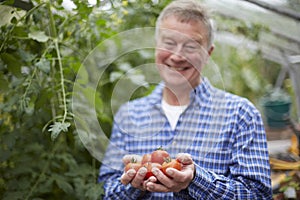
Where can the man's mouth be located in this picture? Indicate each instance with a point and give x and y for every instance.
(178, 68)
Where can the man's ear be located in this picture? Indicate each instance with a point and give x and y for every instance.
(211, 49)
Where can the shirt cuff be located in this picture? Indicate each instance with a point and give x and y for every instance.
(134, 192)
(200, 183)
(137, 193)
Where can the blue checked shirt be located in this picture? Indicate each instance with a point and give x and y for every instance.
(224, 134)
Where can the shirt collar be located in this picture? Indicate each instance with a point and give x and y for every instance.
(204, 90)
(200, 93)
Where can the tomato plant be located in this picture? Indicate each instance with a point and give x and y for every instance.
(159, 156)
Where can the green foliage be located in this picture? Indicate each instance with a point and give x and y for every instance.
(238, 27)
(294, 4)
(40, 53)
(241, 70)
(142, 14)
(289, 182)
(42, 48)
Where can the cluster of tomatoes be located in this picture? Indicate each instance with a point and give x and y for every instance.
(158, 158)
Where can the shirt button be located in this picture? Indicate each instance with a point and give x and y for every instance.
(174, 143)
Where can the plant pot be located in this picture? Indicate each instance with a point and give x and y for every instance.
(277, 113)
(279, 196)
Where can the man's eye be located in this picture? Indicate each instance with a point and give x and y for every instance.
(169, 43)
(191, 47)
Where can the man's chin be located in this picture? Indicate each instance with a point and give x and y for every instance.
(176, 85)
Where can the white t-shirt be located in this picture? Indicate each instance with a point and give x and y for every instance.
(173, 112)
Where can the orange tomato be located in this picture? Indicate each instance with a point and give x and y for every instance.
(171, 163)
(135, 166)
(146, 158)
(159, 156)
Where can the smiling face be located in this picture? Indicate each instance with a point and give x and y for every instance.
(181, 53)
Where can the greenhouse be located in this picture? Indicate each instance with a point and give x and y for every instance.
(68, 66)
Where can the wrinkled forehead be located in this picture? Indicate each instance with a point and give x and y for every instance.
(191, 30)
(180, 36)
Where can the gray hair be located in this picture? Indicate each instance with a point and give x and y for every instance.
(185, 11)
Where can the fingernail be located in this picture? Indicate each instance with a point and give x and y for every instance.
(170, 172)
(142, 171)
(150, 186)
(155, 171)
(183, 160)
(131, 173)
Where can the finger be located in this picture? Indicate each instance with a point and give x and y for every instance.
(150, 179)
(160, 176)
(154, 187)
(174, 173)
(128, 176)
(138, 180)
(181, 176)
(184, 158)
(130, 157)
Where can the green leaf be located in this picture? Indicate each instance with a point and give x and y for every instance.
(8, 2)
(43, 98)
(14, 195)
(5, 155)
(39, 36)
(7, 13)
(20, 31)
(46, 185)
(43, 65)
(14, 20)
(57, 128)
(115, 76)
(9, 140)
(94, 192)
(12, 62)
(3, 83)
(64, 185)
(26, 55)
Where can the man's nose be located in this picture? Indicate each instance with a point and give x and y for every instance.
(178, 54)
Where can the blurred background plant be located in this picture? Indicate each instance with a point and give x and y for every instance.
(43, 44)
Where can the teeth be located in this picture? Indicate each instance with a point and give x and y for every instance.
(178, 68)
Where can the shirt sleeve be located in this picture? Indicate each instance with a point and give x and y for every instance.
(249, 176)
(112, 167)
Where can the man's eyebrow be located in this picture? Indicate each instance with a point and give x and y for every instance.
(164, 36)
(198, 40)
(168, 35)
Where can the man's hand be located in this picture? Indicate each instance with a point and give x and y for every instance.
(128, 158)
(178, 180)
(135, 178)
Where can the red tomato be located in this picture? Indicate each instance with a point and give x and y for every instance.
(146, 158)
(159, 156)
(149, 166)
(171, 163)
(135, 166)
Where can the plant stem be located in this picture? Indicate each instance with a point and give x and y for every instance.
(29, 84)
(61, 72)
(62, 83)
